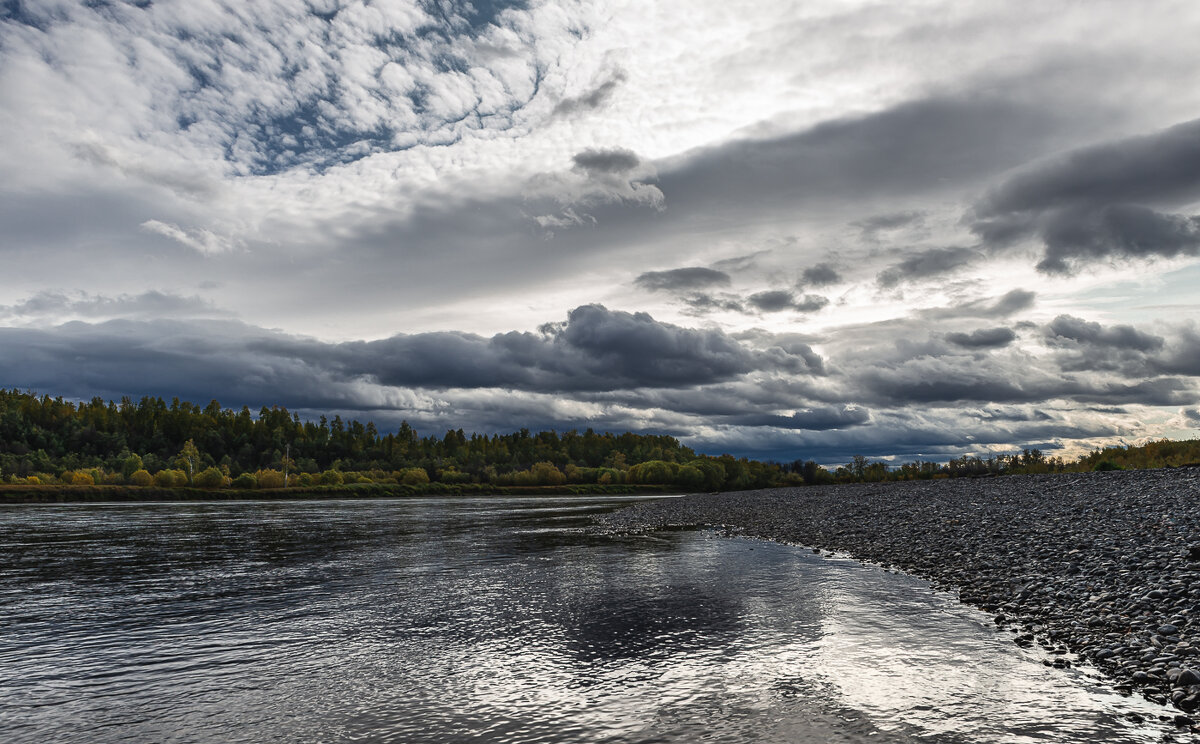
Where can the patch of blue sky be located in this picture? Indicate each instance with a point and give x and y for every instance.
(477, 14)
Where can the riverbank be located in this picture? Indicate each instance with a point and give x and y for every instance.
(1102, 565)
(135, 494)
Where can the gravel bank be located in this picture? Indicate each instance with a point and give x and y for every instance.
(1102, 565)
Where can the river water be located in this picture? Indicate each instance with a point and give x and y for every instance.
(492, 620)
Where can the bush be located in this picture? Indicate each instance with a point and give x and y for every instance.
(141, 478)
(170, 478)
(414, 476)
(245, 480)
(1105, 465)
(453, 475)
(82, 479)
(269, 479)
(210, 478)
(546, 474)
(331, 478)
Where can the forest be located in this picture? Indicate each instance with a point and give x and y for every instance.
(150, 443)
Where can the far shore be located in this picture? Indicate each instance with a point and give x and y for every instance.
(56, 494)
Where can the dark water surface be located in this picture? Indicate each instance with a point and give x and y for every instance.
(497, 620)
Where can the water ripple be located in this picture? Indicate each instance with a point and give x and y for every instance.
(491, 620)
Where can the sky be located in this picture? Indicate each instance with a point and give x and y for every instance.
(781, 230)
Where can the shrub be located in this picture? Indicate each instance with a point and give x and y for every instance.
(82, 479)
(546, 474)
(269, 479)
(170, 478)
(414, 476)
(453, 475)
(245, 480)
(141, 478)
(210, 478)
(331, 478)
(1105, 465)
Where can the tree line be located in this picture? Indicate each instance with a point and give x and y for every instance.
(53, 441)
(46, 440)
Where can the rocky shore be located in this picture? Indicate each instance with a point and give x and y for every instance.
(1101, 566)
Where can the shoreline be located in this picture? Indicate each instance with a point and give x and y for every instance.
(50, 495)
(1105, 566)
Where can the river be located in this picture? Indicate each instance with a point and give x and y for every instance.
(493, 620)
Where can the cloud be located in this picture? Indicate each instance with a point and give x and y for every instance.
(56, 306)
(870, 227)
(593, 99)
(1010, 303)
(615, 160)
(927, 263)
(677, 280)
(822, 418)
(821, 275)
(1066, 327)
(773, 301)
(598, 177)
(984, 338)
(202, 241)
(1182, 356)
(595, 349)
(701, 303)
(916, 146)
(1103, 201)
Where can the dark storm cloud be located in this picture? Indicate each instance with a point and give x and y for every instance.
(616, 160)
(595, 349)
(1104, 201)
(773, 301)
(1087, 332)
(1182, 357)
(593, 99)
(1191, 416)
(687, 278)
(984, 338)
(821, 275)
(921, 145)
(194, 360)
(926, 263)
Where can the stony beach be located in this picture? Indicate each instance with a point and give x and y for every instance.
(1097, 566)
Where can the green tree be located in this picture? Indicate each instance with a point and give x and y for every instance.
(187, 460)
